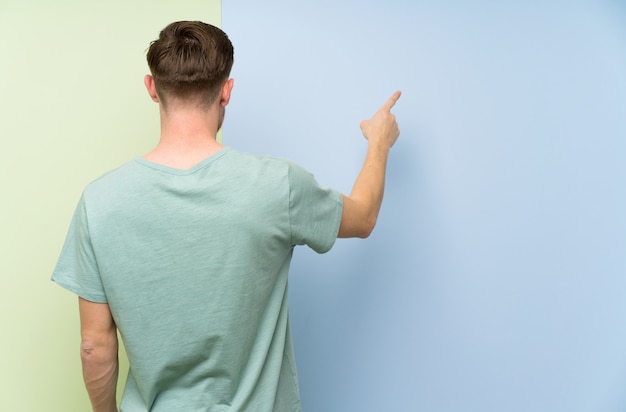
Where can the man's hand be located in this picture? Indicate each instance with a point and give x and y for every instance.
(382, 128)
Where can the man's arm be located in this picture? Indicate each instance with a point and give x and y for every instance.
(360, 209)
(98, 352)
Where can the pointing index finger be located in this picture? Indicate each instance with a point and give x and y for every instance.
(392, 101)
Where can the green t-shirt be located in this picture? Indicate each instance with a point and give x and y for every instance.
(193, 264)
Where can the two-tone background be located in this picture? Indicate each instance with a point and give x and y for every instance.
(495, 279)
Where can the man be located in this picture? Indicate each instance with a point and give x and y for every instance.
(186, 250)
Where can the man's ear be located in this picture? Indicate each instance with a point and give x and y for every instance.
(148, 80)
(227, 88)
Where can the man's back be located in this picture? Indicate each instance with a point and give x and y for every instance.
(193, 264)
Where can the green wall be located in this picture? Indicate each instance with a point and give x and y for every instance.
(72, 106)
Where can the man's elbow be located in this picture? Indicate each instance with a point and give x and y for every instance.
(97, 351)
(358, 219)
(367, 228)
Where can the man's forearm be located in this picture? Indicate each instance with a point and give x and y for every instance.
(360, 209)
(369, 186)
(100, 372)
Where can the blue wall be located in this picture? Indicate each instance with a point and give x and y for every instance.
(496, 277)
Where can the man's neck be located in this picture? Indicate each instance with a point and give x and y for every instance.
(187, 138)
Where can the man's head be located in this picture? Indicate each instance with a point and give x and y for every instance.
(190, 61)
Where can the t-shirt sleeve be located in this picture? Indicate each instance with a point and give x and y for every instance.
(77, 269)
(314, 211)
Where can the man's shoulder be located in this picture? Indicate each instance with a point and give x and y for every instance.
(293, 171)
(108, 181)
(253, 162)
(252, 157)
